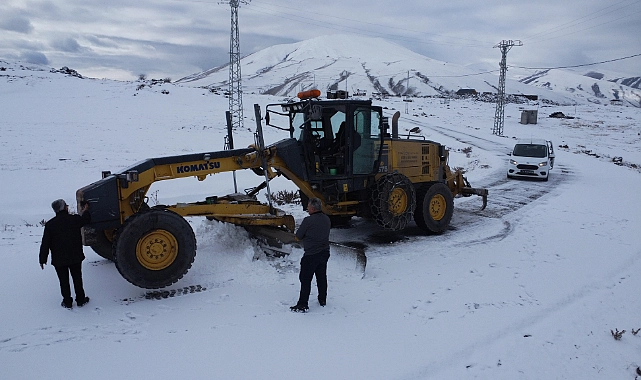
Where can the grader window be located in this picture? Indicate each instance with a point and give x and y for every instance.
(366, 122)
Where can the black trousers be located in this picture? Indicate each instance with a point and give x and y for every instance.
(65, 288)
(309, 266)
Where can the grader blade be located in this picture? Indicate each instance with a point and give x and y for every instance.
(276, 242)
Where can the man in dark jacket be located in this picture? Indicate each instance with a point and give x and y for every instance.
(314, 232)
(62, 236)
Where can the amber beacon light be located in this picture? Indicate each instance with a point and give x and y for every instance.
(309, 94)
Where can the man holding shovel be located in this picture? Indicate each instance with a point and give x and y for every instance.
(314, 232)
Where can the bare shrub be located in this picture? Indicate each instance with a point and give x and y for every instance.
(617, 334)
(153, 198)
(285, 197)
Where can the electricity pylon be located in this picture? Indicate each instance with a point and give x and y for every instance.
(235, 78)
(499, 115)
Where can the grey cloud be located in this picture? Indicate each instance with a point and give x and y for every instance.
(18, 24)
(181, 37)
(252, 43)
(167, 60)
(101, 41)
(68, 45)
(34, 57)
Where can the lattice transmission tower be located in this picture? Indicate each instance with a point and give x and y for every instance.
(499, 115)
(235, 78)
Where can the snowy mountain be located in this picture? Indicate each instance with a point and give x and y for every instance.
(375, 66)
(593, 87)
(634, 82)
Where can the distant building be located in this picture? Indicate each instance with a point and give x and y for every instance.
(530, 97)
(338, 94)
(466, 92)
(529, 116)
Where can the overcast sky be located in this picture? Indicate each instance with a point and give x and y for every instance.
(121, 39)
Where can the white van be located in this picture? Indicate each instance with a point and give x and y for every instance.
(531, 158)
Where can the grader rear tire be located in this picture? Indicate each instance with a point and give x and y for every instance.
(435, 208)
(154, 249)
(393, 201)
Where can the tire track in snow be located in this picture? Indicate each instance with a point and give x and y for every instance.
(508, 196)
(128, 328)
(611, 279)
(466, 138)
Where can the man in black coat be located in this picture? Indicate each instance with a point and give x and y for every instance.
(63, 237)
(314, 232)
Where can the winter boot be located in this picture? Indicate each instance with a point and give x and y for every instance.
(299, 308)
(82, 303)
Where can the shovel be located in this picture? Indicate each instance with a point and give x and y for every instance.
(277, 242)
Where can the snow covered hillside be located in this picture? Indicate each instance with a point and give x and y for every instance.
(375, 66)
(533, 287)
(592, 87)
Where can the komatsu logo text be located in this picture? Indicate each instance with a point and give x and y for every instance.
(209, 165)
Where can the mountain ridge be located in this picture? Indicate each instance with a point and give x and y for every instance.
(375, 66)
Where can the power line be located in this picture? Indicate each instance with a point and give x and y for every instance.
(582, 65)
(341, 26)
(591, 27)
(465, 75)
(377, 25)
(574, 22)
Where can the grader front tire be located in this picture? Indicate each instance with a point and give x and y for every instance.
(435, 208)
(154, 249)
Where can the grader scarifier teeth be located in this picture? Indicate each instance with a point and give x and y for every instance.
(462, 186)
(467, 191)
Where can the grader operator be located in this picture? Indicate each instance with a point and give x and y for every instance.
(341, 151)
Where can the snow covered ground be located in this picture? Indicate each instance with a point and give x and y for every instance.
(529, 288)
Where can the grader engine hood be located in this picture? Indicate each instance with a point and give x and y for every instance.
(103, 202)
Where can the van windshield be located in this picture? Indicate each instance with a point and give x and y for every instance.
(530, 150)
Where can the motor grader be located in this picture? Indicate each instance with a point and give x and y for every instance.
(341, 151)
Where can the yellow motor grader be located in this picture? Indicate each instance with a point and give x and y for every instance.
(342, 151)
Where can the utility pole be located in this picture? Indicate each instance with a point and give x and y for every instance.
(499, 116)
(235, 78)
(407, 91)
